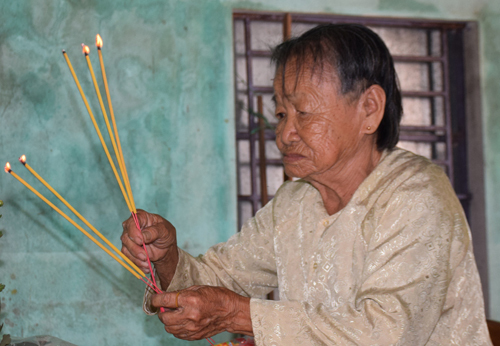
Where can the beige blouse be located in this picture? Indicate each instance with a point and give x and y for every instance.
(394, 267)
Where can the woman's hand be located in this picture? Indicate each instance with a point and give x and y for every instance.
(202, 311)
(161, 243)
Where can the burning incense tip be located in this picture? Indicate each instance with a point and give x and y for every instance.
(22, 159)
(85, 49)
(7, 168)
(64, 51)
(98, 41)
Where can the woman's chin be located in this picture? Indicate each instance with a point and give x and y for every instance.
(293, 171)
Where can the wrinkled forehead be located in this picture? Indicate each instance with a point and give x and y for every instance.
(294, 73)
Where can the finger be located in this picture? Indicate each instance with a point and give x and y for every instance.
(190, 336)
(135, 249)
(173, 320)
(184, 336)
(154, 252)
(180, 334)
(182, 326)
(143, 265)
(186, 331)
(173, 328)
(166, 300)
(131, 231)
(136, 259)
(145, 219)
(154, 233)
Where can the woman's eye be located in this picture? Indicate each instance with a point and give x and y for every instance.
(280, 115)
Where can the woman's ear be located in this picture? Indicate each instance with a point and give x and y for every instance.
(373, 106)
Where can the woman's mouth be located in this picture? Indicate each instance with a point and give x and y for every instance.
(292, 157)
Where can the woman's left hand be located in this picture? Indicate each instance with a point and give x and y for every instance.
(202, 311)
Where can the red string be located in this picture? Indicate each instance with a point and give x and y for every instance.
(149, 281)
(155, 288)
(134, 215)
(150, 286)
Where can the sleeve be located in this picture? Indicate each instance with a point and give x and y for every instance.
(244, 264)
(413, 243)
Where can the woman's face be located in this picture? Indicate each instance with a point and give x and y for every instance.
(319, 129)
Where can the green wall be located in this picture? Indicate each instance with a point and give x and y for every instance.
(169, 65)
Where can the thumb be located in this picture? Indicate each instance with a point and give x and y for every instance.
(171, 300)
(151, 234)
(146, 236)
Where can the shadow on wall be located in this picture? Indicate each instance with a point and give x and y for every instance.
(98, 266)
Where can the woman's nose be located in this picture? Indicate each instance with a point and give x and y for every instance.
(288, 134)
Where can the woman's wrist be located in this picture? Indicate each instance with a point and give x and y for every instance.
(241, 321)
(166, 267)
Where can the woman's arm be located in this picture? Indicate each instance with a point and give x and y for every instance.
(244, 264)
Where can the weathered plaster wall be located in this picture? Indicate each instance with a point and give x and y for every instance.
(490, 39)
(172, 96)
(170, 69)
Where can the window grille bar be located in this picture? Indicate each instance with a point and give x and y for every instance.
(396, 58)
(251, 118)
(368, 21)
(447, 109)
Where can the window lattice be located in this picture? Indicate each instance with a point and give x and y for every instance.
(428, 57)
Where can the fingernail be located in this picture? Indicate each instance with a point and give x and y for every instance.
(142, 257)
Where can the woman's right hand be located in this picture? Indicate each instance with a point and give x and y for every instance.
(161, 243)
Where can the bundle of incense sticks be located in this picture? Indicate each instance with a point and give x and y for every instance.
(123, 180)
(127, 192)
(129, 265)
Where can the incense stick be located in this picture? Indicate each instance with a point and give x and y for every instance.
(125, 195)
(97, 130)
(119, 153)
(9, 170)
(108, 126)
(22, 159)
(115, 128)
(126, 179)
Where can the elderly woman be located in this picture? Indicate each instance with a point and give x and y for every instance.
(369, 247)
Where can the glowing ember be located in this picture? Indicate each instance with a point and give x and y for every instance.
(85, 49)
(98, 41)
(22, 159)
(7, 168)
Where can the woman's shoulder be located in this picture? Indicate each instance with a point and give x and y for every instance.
(414, 199)
(400, 175)
(401, 159)
(402, 167)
